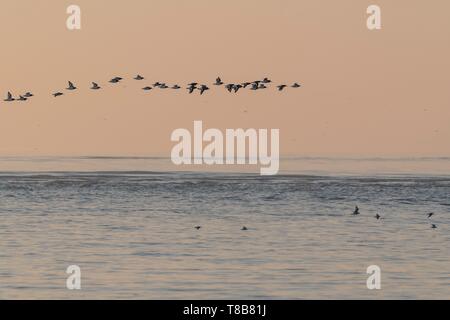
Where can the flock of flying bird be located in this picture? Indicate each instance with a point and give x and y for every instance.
(378, 217)
(201, 88)
(356, 212)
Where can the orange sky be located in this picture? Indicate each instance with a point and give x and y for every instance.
(365, 92)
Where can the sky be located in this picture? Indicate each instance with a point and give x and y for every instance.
(369, 93)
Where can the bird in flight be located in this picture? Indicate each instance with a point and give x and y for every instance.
(57, 94)
(115, 80)
(71, 86)
(430, 215)
(255, 86)
(230, 87)
(139, 77)
(9, 97)
(191, 87)
(95, 86)
(203, 88)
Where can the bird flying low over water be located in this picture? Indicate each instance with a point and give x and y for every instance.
(203, 88)
(71, 86)
(139, 77)
(95, 86)
(57, 94)
(281, 87)
(218, 82)
(9, 97)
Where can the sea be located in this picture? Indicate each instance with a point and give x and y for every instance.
(129, 225)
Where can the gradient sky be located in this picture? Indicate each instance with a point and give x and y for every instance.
(381, 93)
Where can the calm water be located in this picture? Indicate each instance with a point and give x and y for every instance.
(132, 233)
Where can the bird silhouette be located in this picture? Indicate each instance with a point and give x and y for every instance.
(157, 84)
(266, 80)
(191, 87)
(236, 87)
(198, 227)
(356, 212)
(28, 95)
(203, 88)
(244, 228)
(163, 86)
(9, 97)
(281, 87)
(115, 80)
(57, 94)
(139, 77)
(433, 226)
(377, 216)
(296, 85)
(22, 98)
(95, 86)
(230, 87)
(71, 86)
(430, 215)
(147, 88)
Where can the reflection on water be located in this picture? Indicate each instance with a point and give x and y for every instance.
(133, 234)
